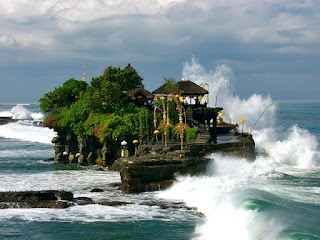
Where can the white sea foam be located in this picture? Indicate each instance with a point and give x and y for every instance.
(221, 88)
(80, 182)
(5, 114)
(94, 213)
(69, 180)
(217, 193)
(37, 116)
(27, 132)
(298, 149)
(220, 81)
(216, 196)
(25, 129)
(250, 110)
(22, 113)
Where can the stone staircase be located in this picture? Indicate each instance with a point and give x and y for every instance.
(203, 138)
(204, 135)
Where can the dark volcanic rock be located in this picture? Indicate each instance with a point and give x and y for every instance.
(152, 174)
(49, 160)
(84, 201)
(36, 204)
(96, 190)
(6, 120)
(63, 195)
(156, 167)
(27, 196)
(113, 203)
(34, 199)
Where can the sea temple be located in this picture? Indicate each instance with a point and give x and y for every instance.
(147, 137)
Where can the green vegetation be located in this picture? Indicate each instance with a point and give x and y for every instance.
(102, 108)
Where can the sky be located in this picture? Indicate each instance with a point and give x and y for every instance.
(271, 47)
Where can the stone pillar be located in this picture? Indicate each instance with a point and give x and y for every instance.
(59, 149)
(213, 128)
(82, 150)
(104, 153)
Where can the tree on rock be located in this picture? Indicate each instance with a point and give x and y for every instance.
(62, 96)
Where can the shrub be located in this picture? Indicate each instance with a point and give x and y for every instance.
(191, 133)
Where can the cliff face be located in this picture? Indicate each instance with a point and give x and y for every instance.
(155, 167)
(68, 146)
(155, 173)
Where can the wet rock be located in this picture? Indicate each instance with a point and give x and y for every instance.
(6, 120)
(97, 190)
(84, 201)
(36, 199)
(113, 203)
(152, 174)
(63, 195)
(49, 160)
(27, 196)
(37, 204)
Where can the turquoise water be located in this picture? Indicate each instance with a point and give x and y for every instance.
(17, 229)
(305, 115)
(275, 197)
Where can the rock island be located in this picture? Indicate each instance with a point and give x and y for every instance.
(148, 137)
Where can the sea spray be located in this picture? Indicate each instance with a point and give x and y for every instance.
(221, 88)
(250, 109)
(219, 196)
(20, 112)
(28, 128)
(221, 79)
(28, 133)
(222, 194)
(298, 149)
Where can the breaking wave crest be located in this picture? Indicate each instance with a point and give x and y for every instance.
(28, 133)
(222, 194)
(299, 148)
(27, 127)
(21, 113)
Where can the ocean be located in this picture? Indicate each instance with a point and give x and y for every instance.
(275, 197)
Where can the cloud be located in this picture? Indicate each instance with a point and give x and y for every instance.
(250, 35)
(81, 10)
(74, 25)
(7, 41)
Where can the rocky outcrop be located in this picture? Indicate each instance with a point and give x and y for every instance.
(6, 120)
(90, 150)
(154, 167)
(34, 199)
(140, 174)
(48, 199)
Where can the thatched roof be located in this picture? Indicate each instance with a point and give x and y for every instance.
(135, 92)
(184, 88)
